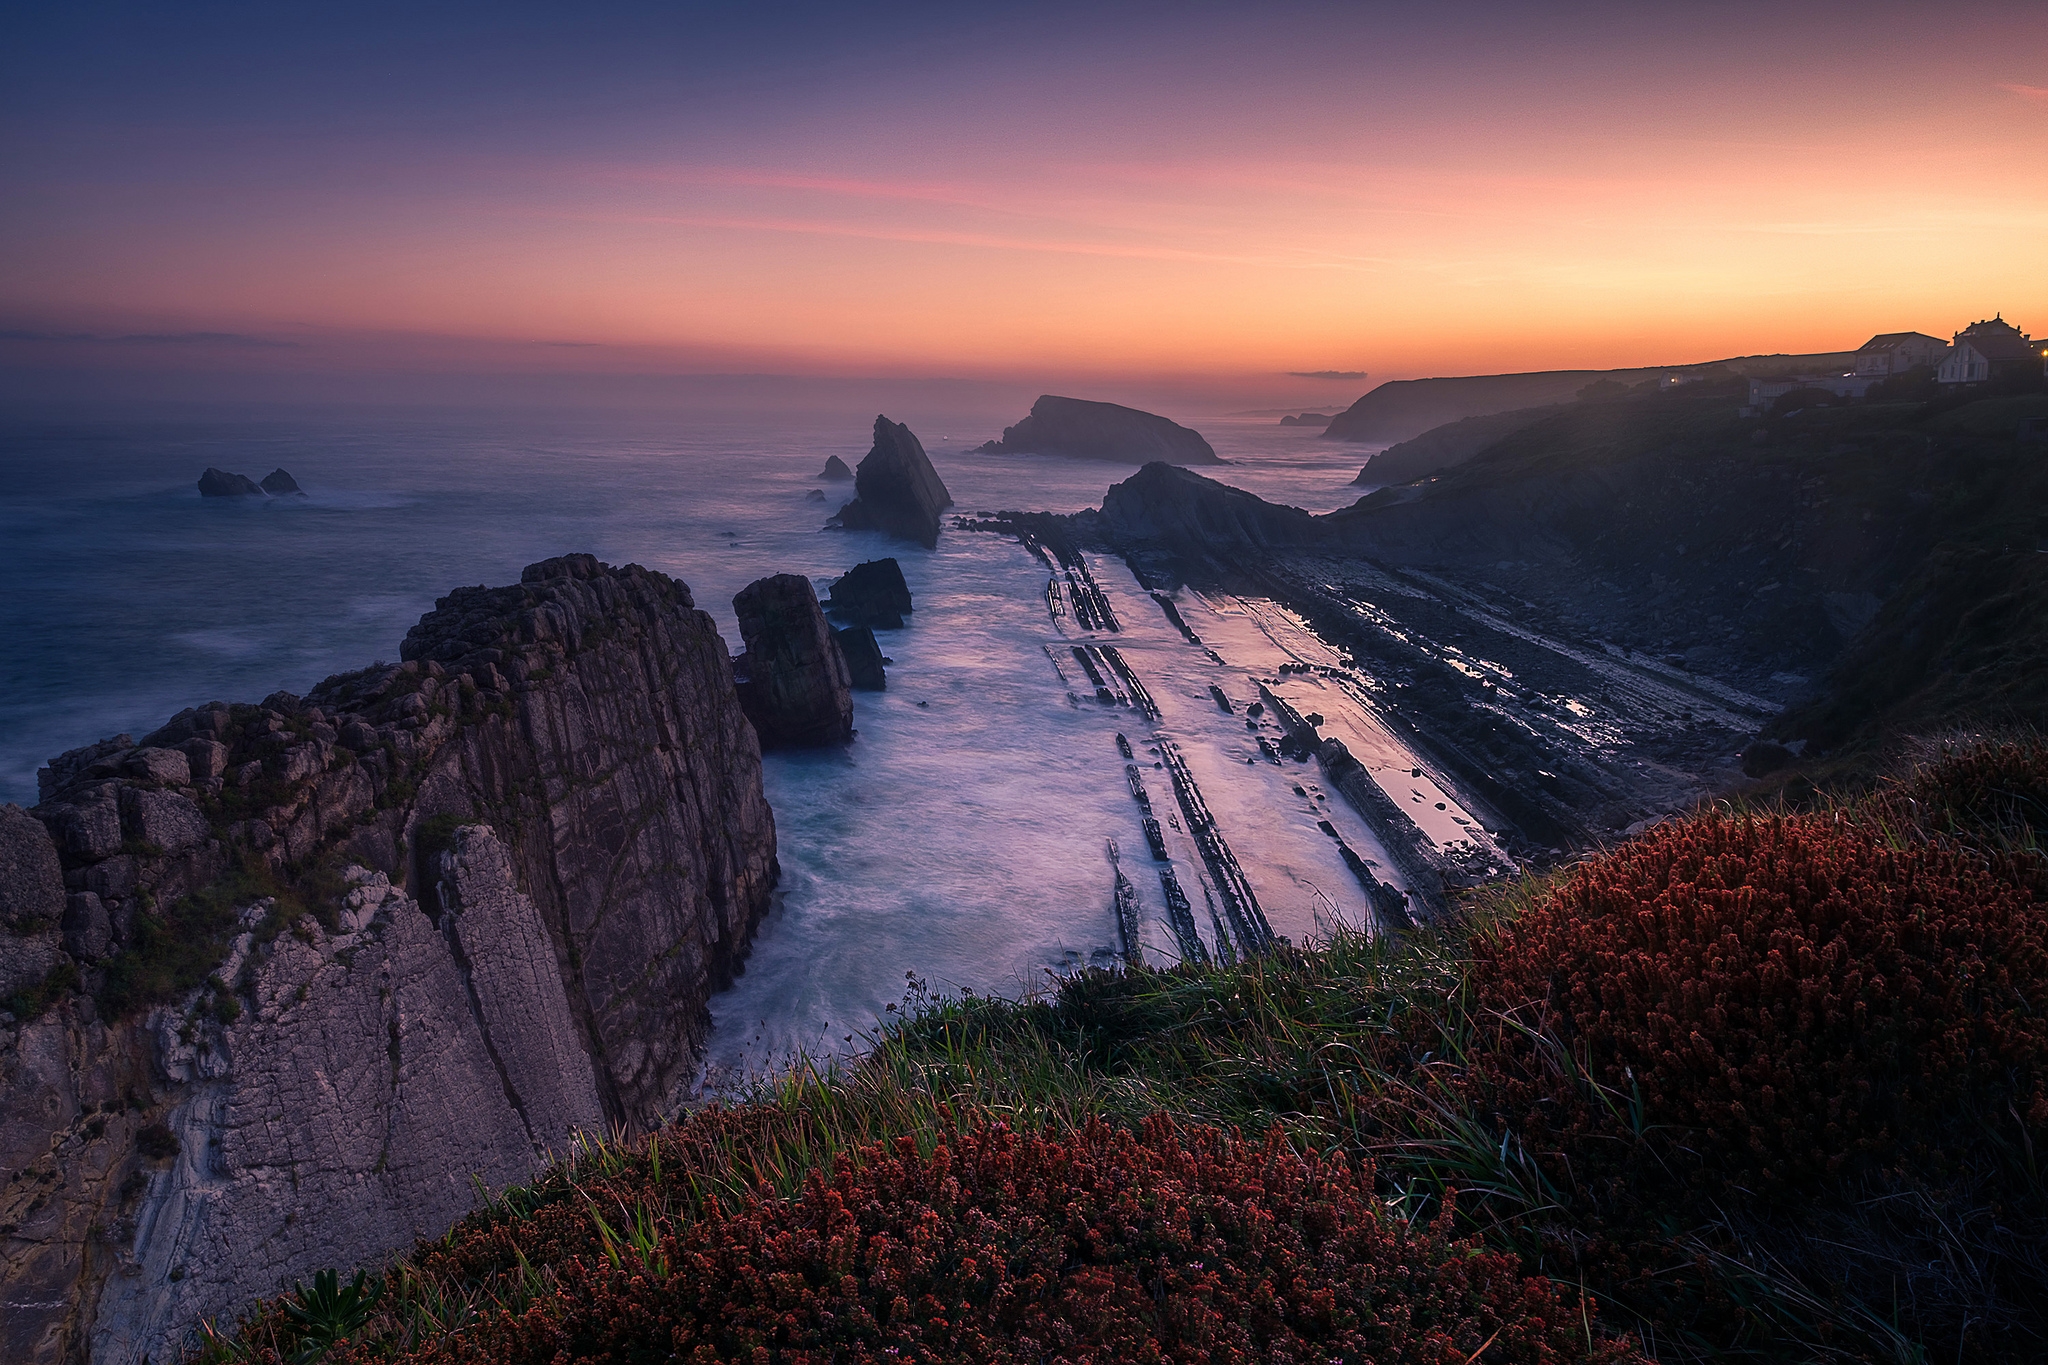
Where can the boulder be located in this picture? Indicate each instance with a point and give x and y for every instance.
(87, 827)
(1102, 431)
(279, 484)
(31, 879)
(871, 594)
(835, 469)
(896, 490)
(206, 758)
(863, 658)
(88, 928)
(164, 767)
(218, 483)
(793, 681)
(162, 819)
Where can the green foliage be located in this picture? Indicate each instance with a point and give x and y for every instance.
(172, 952)
(31, 1001)
(436, 835)
(329, 1314)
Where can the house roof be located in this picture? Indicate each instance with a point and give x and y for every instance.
(1996, 340)
(1891, 341)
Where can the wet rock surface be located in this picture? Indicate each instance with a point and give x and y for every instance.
(871, 594)
(793, 680)
(1087, 430)
(896, 490)
(421, 923)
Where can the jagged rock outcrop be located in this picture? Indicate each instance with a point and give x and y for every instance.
(793, 681)
(835, 470)
(1168, 506)
(864, 660)
(218, 483)
(333, 954)
(871, 594)
(896, 490)
(279, 484)
(1102, 431)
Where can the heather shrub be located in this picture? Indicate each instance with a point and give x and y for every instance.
(1102, 1244)
(1787, 995)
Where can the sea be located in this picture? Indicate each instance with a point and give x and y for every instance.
(960, 842)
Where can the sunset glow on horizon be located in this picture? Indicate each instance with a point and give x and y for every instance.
(1195, 192)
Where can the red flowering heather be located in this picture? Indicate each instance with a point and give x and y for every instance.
(1794, 992)
(1105, 1245)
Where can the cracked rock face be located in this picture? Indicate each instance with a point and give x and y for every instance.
(531, 850)
(795, 685)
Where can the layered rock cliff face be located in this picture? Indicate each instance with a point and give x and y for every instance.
(1102, 431)
(896, 490)
(316, 966)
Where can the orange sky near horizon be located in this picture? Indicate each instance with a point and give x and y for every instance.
(1653, 196)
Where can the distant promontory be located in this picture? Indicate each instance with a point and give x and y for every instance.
(1085, 430)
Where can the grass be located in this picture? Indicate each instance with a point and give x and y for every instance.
(1508, 1129)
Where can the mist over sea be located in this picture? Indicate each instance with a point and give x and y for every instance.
(959, 837)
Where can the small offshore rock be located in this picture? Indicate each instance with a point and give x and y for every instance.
(863, 658)
(218, 483)
(835, 469)
(871, 594)
(279, 484)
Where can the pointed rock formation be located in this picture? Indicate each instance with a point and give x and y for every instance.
(1102, 431)
(835, 469)
(279, 484)
(871, 594)
(793, 681)
(896, 490)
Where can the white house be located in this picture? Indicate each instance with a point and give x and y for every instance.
(1890, 353)
(1985, 350)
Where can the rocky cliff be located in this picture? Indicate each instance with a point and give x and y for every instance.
(311, 968)
(1441, 447)
(895, 489)
(1102, 431)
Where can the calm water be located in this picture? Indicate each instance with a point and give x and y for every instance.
(960, 837)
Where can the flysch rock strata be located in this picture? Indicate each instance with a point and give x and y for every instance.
(457, 909)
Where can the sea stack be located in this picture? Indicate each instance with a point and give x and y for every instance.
(218, 483)
(279, 484)
(871, 594)
(863, 655)
(1086, 430)
(896, 490)
(835, 470)
(793, 682)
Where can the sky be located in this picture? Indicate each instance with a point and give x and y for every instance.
(1230, 196)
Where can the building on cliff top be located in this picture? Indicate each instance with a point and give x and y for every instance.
(1989, 350)
(1890, 353)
